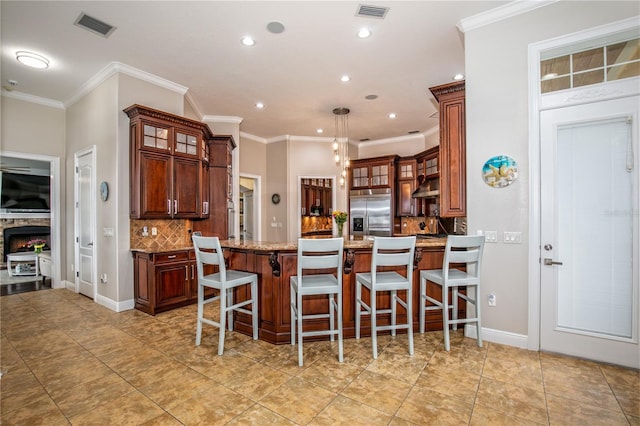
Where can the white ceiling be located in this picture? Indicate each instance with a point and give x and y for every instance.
(295, 73)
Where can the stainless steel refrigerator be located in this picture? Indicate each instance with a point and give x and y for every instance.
(370, 212)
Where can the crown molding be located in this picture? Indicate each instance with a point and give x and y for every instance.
(500, 13)
(117, 67)
(222, 119)
(392, 140)
(33, 99)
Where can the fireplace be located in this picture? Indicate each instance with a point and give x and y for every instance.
(15, 239)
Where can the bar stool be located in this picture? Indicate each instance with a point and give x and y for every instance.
(317, 254)
(209, 252)
(460, 249)
(387, 251)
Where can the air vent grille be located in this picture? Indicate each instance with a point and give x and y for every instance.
(94, 25)
(367, 11)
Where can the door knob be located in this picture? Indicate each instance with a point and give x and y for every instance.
(548, 261)
(548, 247)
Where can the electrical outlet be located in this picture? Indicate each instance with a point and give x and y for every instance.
(491, 299)
(154, 231)
(490, 236)
(103, 278)
(513, 237)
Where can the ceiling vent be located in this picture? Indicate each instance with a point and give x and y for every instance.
(94, 25)
(366, 11)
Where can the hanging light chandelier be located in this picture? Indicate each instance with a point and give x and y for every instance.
(341, 141)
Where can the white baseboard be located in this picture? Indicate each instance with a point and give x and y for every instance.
(102, 300)
(113, 305)
(498, 336)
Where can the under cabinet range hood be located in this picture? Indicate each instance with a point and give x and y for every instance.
(424, 191)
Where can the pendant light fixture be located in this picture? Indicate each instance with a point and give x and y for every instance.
(341, 141)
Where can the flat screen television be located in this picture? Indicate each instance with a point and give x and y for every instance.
(24, 193)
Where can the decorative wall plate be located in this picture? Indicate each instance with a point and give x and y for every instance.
(500, 171)
(104, 191)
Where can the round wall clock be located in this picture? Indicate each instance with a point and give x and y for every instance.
(104, 191)
(275, 198)
(500, 171)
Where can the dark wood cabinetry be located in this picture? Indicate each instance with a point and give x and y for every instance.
(453, 195)
(220, 189)
(164, 281)
(378, 172)
(406, 205)
(169, 157)
(316, 197)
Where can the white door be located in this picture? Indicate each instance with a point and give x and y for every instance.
(248, 215)
(85, 224)
(589, 231)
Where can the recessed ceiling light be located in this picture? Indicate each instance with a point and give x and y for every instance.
(319, 131)
(364, 33)
(248, 41)
(371, 97)
(392, 115)
(32, 59)
(259, 105)
(345, 78)
(458, 77)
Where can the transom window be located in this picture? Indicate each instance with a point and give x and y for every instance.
(591, 66)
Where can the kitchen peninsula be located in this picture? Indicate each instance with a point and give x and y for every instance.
(276, 262)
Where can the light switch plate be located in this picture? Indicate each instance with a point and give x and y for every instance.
(490, 236)
(513, 237)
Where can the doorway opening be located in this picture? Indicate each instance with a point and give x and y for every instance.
(250, 207)
(17, 162)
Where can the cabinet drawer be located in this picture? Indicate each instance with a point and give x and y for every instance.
(175, 256)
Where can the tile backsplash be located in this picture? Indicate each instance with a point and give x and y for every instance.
(171, 234)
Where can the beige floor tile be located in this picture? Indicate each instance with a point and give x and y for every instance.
(256, 381)
(512, 400)
(89, 395)
(378, 391)
(456, 383)
(298, 400)
(564, 411)
(424, 406)
(486, 416)
(330, 374)
(345, 411)
(104, 367)
(129, 409)
(259, 415)
(215, 406)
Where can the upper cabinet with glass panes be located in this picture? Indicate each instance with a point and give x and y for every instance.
(170, 134)
(595, 65)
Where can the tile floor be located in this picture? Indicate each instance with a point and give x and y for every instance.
(67, 360)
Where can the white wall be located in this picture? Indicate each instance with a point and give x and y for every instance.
(497, 123)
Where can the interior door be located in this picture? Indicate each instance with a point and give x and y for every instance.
(589, 231)
(85, 224)
(248, 215)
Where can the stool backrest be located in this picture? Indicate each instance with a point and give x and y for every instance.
(209, 252)
(393, 251)
(322, 253)
(464, 249)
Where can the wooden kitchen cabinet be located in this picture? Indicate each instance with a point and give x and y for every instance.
(168, 163)
(406, 205)
(164, 280)
(378, 172)
(220, 191)
(452, 154)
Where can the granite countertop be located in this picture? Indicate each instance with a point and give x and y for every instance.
(293, 245)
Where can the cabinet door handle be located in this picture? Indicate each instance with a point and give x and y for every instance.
(205, 207)
(186, 273)
(168, 206)
(173, 256)
(175, 206)
(193, 275)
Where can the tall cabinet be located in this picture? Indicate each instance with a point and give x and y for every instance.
(452, 155)
(169, 158)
